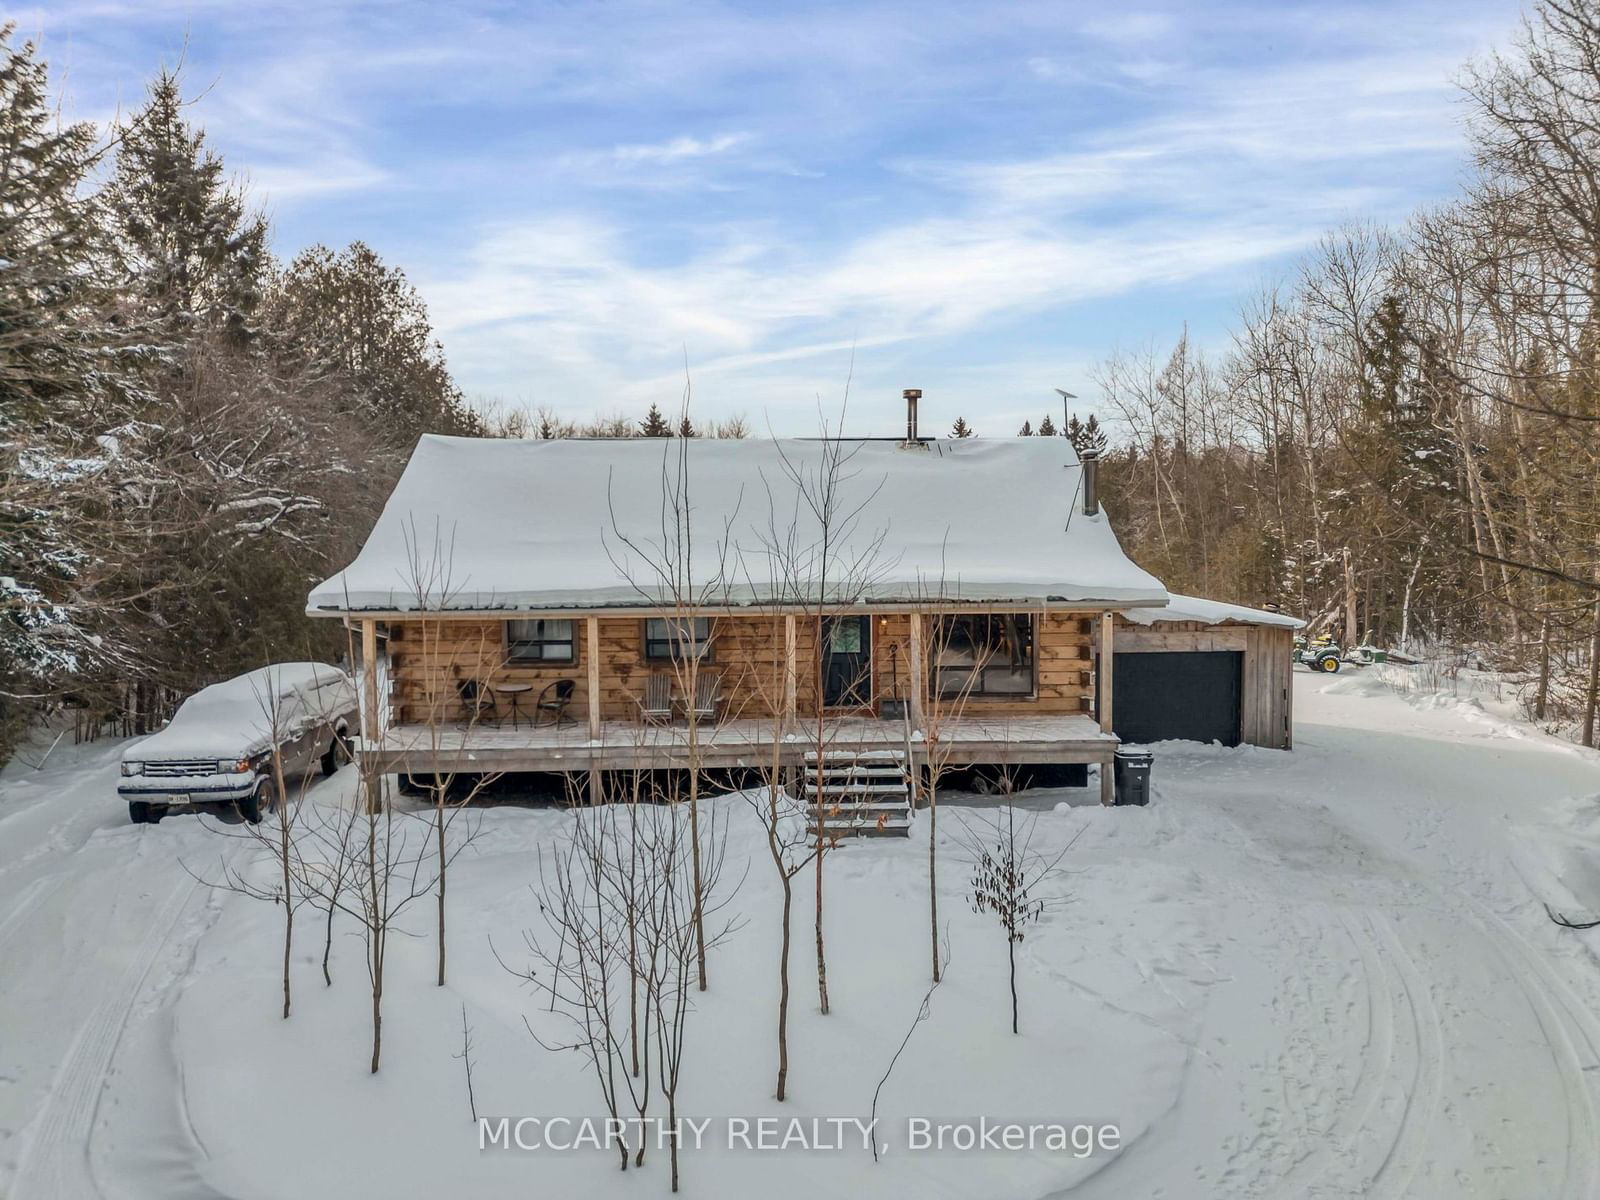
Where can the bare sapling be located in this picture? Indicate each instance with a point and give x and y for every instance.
(466, 1064)
(1008, 875)
(450, 711)
(924, 1011)
(783, 820)
(824, 564)
(286, 718)
(685, 581)
(618, 902)
(953, 654)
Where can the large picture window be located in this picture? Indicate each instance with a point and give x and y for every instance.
(667, 638)
(988, 655)
(539, 642)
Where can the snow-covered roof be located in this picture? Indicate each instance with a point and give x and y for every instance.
(1209, 612)
(501, 524)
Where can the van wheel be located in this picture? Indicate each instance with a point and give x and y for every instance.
(138, 811)
(252, 806)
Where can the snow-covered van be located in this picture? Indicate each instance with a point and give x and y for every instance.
(217, 749)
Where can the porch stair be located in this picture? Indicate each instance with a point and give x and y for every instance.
(862, 793)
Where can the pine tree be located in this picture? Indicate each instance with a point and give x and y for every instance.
(1047, 427)
(189, 249)
(961, 429)
(353, 318)
(60, 368)
(654, 424)
(686, 427)
(1026, 430)
(1086, 435)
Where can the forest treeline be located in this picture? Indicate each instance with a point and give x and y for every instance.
(191, 432)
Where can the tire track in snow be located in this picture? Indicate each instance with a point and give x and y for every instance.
(1332, 1167)
(31, 898)
(55, 1162)
(1568, 1028)
(1394, 1174)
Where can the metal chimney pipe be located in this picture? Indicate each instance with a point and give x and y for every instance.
(1091, 482)
(912, 395)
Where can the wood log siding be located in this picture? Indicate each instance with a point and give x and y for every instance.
(428, 656)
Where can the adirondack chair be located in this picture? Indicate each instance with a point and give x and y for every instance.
(707, 695)
(657, 702)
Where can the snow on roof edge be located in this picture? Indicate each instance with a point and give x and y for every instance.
(1209, 612)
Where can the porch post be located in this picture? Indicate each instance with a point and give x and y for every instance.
(789, 679)
(591, 647)
(914, 654)
(1103, 675)
(371, 726)
(1105, 672)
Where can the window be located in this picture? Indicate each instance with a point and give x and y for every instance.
(985, 656)
(539, 641)
(677, 637)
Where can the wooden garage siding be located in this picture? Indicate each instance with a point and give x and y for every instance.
(1266, 684)
(428, 656)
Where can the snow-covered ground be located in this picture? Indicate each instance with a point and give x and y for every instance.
(1325, 973)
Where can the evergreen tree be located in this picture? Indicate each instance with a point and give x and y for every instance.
(654, 424)
(351, 317)
(961, 429)
(1086, 435)
(60, 364)
(686, 427)
(1026, 430)
(1047, 427)
(190, 251)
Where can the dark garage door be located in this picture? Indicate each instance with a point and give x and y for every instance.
(1188, 694)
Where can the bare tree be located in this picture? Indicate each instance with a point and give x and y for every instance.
(429, 576)
(1007, 872)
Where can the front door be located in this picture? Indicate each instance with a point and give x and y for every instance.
(847, 662)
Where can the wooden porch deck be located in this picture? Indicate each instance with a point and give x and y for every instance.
(740, 743)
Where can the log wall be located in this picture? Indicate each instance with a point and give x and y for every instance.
(428, 656)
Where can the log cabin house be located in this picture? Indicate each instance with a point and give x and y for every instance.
(914, 598)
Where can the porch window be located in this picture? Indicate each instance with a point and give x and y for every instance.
(987, 655)
(667, 638)
(539, 642)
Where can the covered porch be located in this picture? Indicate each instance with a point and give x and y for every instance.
(740, 743)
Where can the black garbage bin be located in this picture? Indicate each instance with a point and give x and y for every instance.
(1133, 776)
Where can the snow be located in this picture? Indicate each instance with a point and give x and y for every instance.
(1209, 612)
(1323, 973)
(235, 718)
(506, 524)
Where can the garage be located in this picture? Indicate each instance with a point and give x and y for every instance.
(1191, 694)
(1203, 671)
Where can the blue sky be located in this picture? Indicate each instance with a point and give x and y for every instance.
(981, 200)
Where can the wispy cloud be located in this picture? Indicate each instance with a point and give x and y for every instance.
(677, 149)
(945, 191)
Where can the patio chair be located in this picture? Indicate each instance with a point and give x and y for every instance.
(657, 702)
(554, 700)
(477, 701)
(707, 695)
